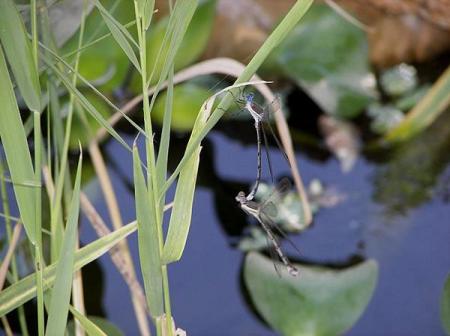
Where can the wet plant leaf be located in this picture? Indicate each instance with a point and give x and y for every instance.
(187, 100)
(15, 145)
(16, 45)
(327, 56)
(319, 301)
(445, 306)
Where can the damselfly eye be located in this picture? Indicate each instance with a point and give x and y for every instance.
(249, 97)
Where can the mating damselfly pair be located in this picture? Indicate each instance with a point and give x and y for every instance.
(265, 210)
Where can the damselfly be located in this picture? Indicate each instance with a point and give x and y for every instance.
(263, 212)
(261, 117)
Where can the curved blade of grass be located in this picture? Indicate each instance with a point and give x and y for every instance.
(90, 327)
(180, 219)
(19, 53)
(24, 290)
(149, 251)
(280, 32)
(14, 141)
(119, 33)
(60, 298)
(425, 112)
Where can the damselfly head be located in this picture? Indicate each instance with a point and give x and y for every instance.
(249, 97)
(240, 197)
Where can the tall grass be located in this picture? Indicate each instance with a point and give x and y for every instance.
(39, 72)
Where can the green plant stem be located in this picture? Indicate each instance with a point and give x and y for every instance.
(39, 261)
(151, 166)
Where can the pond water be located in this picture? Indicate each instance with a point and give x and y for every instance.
(396, 211)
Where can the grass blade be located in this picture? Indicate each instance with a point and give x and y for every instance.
(14, 141)
(145, 8)
(149, 250)
(425, 112)
(59, 304)
(119, 33)
(19, 53)
(90, 327)
(16, 295)
(180, 219)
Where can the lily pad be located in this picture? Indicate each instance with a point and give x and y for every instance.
(320, 301)
(445, 306)
(328, 57)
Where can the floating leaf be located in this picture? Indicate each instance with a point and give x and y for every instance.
(320, 301)
(327, 56)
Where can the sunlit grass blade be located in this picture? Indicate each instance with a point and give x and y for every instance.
(14, 40)
(425, 112)
(90, 327)
(149, 250)
(14, 142)
(24, 290)
(60, 298)
(119, 33)
(280, 32)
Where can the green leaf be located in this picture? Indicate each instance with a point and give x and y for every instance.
(425, 112)
(14, 142)
(149, 250)
(119, 33)
(180, 219)
(14, 40)
(187, 101)
(89, 326)
(60, 298)
(319, 301)
(327, 56)
(24, 290)
(445, 306)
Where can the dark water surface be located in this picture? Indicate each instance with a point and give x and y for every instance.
(409, 239)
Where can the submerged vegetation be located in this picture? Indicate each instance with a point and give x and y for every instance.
(134, 66)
